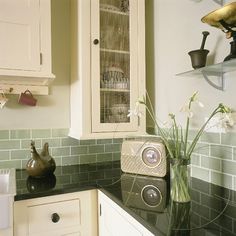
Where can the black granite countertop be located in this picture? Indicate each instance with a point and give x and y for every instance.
(212, 210)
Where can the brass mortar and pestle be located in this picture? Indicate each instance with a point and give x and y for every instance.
(199, 56)
(225, 20)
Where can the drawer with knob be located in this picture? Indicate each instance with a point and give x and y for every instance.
(54, 216)
(70, 214)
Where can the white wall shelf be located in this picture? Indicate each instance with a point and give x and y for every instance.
(213, 71)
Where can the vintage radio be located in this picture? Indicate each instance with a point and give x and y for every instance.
(144, 157)
(144, 193)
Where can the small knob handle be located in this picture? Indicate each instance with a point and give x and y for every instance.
(55, 217)
(95, 41)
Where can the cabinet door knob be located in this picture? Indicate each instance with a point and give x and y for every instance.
(95, 41)
(55, 217)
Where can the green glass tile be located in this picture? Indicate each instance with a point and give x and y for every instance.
(58, 161)
(210, 137)
(26, 144)
(234, 154)
(234, 187)
(104, 141)
(11, 144)
(70, 160)
(41, 133)
(69, 142)
(60, 132)
(200, 173)
(24, 163)
(112, 147)
(56, 142)
(80, 177)
(10, 164)
(201, 148)
(229, 139)
(79, 150)
(84, 159)
(210, 163)
(195, 159)
(96, 149)
(96, 175)
(229, 167)
(118, 140)
(60, 151)
(20, 134)
(104, 157)
(4, 134)
(20, 154)
(221, 179)
(88, 142)
(4, 155)
(116, 156)
(65, 179)
(192, 134)
(221, 151)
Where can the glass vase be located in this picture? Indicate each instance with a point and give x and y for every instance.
(179, 180)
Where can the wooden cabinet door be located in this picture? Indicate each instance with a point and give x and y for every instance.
(20, 35)
(114, 221)
(115, 77)
(77, 215)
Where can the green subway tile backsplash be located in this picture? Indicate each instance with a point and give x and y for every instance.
(213, 160)
(90, 158)
(210, 137)
(229, 139)
(60, 132)
(41, 133)
(10, 144)
(15, 147)
(4, 155)
(4, 134)
(96, 148)
(20, 154)
(52, 142)
(25, 144)
(223, 152)
(20, 134)
(210, 163)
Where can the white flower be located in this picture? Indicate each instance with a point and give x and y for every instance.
(135, 111)
(186, 110)
(227, 120)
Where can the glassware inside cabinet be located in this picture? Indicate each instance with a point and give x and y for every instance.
(114, 61)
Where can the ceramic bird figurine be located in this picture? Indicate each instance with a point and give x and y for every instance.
(40, 165)
(47, 158)
(35, 165)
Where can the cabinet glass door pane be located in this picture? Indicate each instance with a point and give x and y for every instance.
(114, 61)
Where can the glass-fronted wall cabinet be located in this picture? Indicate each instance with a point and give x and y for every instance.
(108, 67)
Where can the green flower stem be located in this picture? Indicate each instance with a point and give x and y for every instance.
(192, 146)
(177, 138)
(163, 135)
(179, 183)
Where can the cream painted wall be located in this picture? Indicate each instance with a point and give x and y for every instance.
(51, 111)
(177, 30)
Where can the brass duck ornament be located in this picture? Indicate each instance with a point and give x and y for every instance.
(40, 165)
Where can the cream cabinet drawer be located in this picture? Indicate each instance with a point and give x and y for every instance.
(54, 216)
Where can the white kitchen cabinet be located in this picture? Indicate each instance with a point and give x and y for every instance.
(25, 44)
(73, 214)
(114, 221)
(108, 67)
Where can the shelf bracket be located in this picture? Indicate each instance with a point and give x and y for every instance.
(221, 79)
